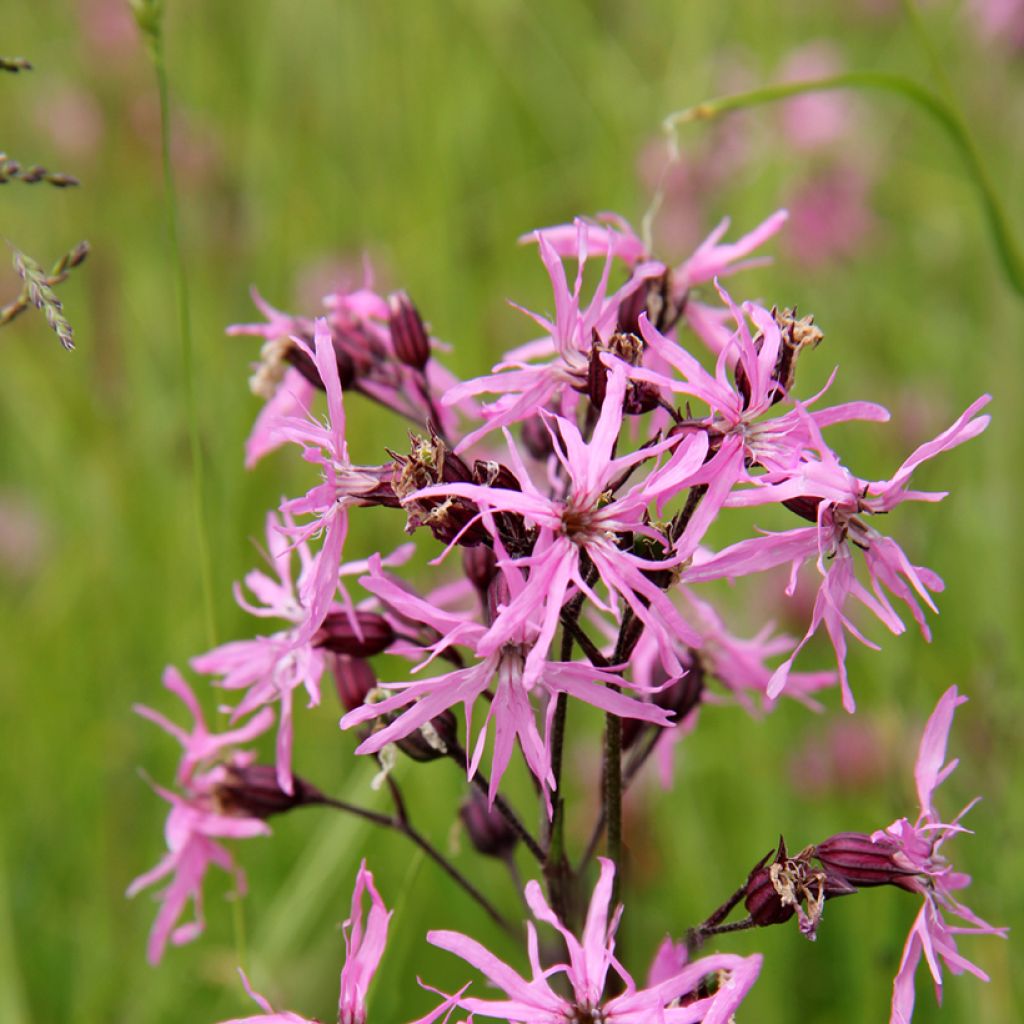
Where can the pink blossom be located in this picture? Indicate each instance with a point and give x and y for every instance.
(365, 938)
(591, 958)
(271, 668)
(839, 503)
(587, 520)
(527, 387)
(196, 820)
(919, 847)
(816, 119)
(503, 666)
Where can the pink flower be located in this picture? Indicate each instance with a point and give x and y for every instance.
(919, 847)
(365, 938)
(839, 503)
(588, 519)
(271, 668)
(672, 1000)
(527, 387)
(197, 820)
(502, 666)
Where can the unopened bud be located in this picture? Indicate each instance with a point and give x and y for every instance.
(480, 566)
(681, 697)
(360, 634)
(299, 357)
(432, 740)
(862, 861)
(408, 335)
(804, 507)
(488, 830)
(537, 438)
(252, 791)
(630, 308)
(354, 679)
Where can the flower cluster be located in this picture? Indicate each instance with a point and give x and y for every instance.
(578, 482)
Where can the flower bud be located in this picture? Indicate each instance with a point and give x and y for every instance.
(537, 438)
(354, 679)
(480, 566)
(681, 697)
(630, 308)
(487, 828)
(298, 356)
(431, 740)
(408, 335)
(862, 861)
(367, 635)
(251, 791)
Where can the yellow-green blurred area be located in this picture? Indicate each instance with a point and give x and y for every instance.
(428, 137)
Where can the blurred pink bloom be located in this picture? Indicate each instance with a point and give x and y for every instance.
(197, 820)
(919, 848)
(848, 756)
(818, 119)
(831, 216)
(998, 21)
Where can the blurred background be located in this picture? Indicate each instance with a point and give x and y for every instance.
(428, 137)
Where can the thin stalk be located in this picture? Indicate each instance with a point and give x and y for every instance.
(458, 755)
(613, 796)
(938, 109)
(156, 48)
(400, 822)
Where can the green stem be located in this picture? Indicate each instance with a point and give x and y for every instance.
(185, 327)
(941, 112)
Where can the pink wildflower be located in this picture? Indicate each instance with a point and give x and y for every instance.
(271, 668)
(505, 666)
(527, 387)
(672, 1000)
(838, 502)
(197, 820)
(365, 938)
(587, 520)
(918, 850)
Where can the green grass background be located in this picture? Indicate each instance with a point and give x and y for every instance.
(431, 135)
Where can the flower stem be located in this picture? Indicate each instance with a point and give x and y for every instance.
(399, 822)
(940, 111)
(155, 40)
(458, 755)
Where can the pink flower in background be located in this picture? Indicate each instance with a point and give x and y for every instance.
(998, 21)
(197, 820)
(818, 119)
(831, 216)
(591, 958)
(919, 849)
